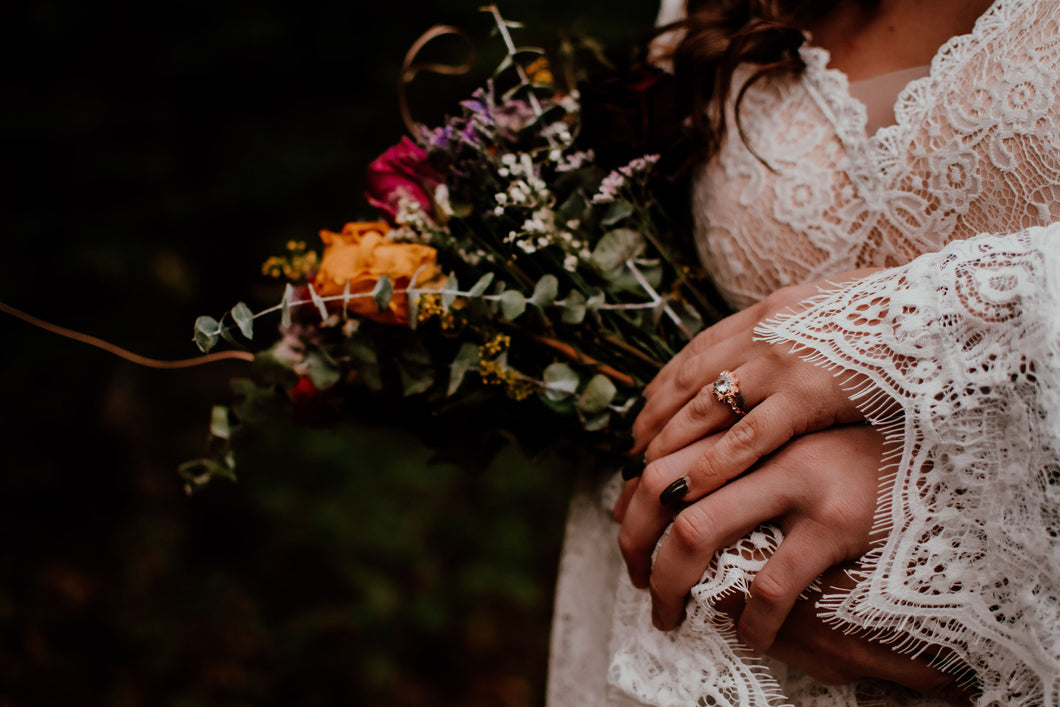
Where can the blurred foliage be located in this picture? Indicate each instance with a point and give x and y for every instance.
(158, 153)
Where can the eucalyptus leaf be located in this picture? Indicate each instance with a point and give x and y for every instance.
(595, 301)
(415, 367)
(450, 291)
(244, 319)
(206, 331)
(597, 395)
(561, 381)
(479, 288)
(285, 306)
(321, 371)
(220, 426)
(466, 357)
(545, 291)
(513, 304)
(318, 302)
(616, 211)
(415, 379)
(597, 422)
(382, 292)
(573, 308)
(615, 248)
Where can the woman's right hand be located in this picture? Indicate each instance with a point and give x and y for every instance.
(831, 656)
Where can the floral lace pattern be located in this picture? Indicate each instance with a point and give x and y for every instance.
(971, 560)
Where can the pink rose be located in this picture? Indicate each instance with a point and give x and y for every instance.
(402, 172)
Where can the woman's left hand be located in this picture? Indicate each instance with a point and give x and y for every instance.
(821, 489)
(783, 396)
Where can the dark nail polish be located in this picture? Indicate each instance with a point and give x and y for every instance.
(633, 468)
(674, 494)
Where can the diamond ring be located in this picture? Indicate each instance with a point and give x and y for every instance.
(727, 390)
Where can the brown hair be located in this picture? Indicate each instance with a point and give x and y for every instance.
(719, 35)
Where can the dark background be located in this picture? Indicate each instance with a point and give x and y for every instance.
(156, 154)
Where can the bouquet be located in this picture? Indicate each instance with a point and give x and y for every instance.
(522, 264)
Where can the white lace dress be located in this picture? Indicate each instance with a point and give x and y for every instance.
(960, 201)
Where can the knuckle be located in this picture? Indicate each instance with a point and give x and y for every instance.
(702, 403)
(768, 588)
(743, 436)
(691, 531)
(688, 374)
(657, 476)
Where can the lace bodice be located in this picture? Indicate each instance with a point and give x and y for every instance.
(975, 149)
(960, 201)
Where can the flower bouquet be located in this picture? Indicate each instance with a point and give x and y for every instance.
(511, 273)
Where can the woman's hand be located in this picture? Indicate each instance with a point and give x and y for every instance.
(834, 657)
(783, 394)
(821, 489)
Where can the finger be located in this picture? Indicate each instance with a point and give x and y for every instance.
(834, 657)
(728, 327)
(761, 431)
(804, 554)
(706, 526)
(619, 512)
(696, 365)
(690, 381)
(704, 413)
(644, 518)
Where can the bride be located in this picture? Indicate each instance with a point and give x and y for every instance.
(851, 485)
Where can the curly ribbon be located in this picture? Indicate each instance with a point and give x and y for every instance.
(119, 351)
(410, 69)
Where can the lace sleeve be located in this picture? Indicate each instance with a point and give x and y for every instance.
(967, 342)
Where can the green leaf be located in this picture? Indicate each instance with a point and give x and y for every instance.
(479, 287)
(513, 303)
(244, 319)
(382, 292)
(616, 211)
(506, 63)
(615, 248)
(365, 361)
(285, 306)
(322, 373)
(450, 291)
(561, 381)
(321, 307)
(596, 301)
(597, 395)
(206, 332)
(595, 423)
(545, 291)
(200, 472)
(415, 367)
(219, 423)
(573, 308)
(466, 357)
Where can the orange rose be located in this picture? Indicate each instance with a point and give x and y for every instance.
(361, 254)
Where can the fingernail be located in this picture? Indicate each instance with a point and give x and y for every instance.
(633, 468)
(674, 494)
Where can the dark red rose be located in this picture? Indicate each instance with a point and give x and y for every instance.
(310, 406)
(402, 171)
(629, 113)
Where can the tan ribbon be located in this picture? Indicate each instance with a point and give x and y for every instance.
(410, 69)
